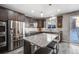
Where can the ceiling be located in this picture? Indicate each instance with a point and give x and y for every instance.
(42, 10)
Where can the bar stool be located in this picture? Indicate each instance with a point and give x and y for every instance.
(54, 46)
(44, 50)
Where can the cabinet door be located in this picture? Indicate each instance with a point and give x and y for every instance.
(10, 15)
(16, 15)
(22, 18)
(3, 14)
(59, 21)
(40, 24)
(13, 15)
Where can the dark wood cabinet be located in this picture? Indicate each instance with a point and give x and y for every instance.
(7, 14)
(21, 18)
(3, 14)
(59, 21)
(27, 47)
(40, 23)
(12, 15)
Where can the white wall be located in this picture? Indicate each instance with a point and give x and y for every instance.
(66, 28)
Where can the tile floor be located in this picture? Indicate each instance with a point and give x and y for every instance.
(68, 48)
(17, 51)
(64, 48)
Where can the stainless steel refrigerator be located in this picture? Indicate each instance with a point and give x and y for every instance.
(15, 34)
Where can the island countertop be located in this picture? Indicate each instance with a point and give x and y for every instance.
(35, 33)
(41, 39)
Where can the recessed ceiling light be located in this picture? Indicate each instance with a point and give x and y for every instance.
(32, 11)
(42, 14)
(58, 10)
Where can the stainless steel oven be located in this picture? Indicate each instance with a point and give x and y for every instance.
(3, 36)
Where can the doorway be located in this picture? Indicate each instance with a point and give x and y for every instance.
(74, 29)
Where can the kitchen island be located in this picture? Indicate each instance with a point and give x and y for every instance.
(40, 39)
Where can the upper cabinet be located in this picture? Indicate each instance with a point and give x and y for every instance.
(59, 21)
(6, 14)
(40, 23)
(12, 15)
(3, 14)
(21, 18)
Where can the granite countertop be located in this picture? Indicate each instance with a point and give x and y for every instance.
(35, 33)
(42, 39)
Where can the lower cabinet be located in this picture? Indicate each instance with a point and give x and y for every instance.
(3, 49)
(27, 47)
